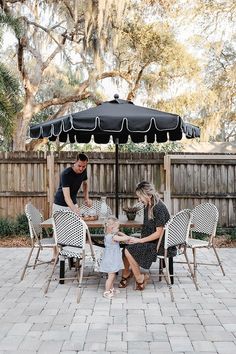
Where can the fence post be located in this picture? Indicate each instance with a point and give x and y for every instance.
(51, 179)
(167, 191)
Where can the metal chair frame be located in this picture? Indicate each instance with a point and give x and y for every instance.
(71, 233)
(205, 219)
(35, 219)
(176, 234)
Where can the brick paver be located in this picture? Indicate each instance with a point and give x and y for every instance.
(201, 321)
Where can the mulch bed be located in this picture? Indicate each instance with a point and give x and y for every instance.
(16, 241)
(24, 241)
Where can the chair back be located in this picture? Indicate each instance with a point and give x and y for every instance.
(140, 207)
(205, 218)
(95, 206)
(177, 229)
(69, 229)
(34, 220)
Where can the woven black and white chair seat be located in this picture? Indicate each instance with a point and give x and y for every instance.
(71, 252)
(46, 242)
(197, 243)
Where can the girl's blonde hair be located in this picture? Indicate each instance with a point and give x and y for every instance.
(146, 189)
(111, 220)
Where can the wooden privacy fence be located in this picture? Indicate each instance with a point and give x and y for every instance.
(183, 180)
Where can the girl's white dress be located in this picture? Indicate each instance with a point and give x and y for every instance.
(112, 258)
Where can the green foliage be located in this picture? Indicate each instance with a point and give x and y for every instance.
(9, 102)
(155, 147)
(21, 225)
(228, 232)
(7, 227)
(10, 227)
(13, 23)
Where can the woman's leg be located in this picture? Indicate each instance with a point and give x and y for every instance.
(135, 267)
(126, 270)
(110, 281)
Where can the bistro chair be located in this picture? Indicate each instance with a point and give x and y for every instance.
(176, 234)
(35, 219)
(98, 238)
(71, 233)
(205, 218)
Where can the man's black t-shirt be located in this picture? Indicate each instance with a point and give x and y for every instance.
(72, 180)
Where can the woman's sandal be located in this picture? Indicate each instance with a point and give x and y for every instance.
(124, 280)
(141, 286)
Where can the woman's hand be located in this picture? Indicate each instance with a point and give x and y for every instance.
(135, 240)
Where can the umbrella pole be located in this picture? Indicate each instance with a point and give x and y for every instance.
(117, 179)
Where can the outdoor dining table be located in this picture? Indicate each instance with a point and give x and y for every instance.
(94, 224)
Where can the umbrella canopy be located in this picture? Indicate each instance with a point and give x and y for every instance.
(119, 119)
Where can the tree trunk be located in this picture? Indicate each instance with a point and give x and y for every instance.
(22, 123)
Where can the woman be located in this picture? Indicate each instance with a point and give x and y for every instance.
(141, 252)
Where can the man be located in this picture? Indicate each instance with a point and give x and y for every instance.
(71, 180)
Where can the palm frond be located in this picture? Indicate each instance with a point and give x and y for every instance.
(12, 23)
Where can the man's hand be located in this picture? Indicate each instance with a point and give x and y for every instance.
(88, 202)
(76, 210)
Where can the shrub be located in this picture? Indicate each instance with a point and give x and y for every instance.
(229, 232)
(21, 225)
(10, 227)
(7, 227)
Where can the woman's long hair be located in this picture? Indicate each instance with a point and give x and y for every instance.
(147, 189)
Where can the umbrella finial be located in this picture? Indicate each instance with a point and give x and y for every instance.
(116, 96)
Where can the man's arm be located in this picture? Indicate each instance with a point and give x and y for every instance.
(68, 200)
(87, 201)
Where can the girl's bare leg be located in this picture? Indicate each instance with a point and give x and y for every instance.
(110, 281)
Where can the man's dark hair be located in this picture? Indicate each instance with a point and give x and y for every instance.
(82, 157)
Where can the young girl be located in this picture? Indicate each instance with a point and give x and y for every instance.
(112, 258)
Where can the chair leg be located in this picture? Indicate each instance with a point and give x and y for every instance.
(70, 262)
(62, 271)
(50, 277)
(218, 259)
(26, 264)
(190, 269)
(81, 273)
(167, 278)
(194, 263)
(160, 269)
(171, 269)
(36, 258)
